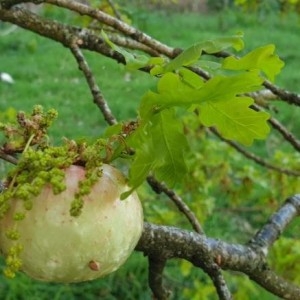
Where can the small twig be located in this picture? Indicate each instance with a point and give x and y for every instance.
(132, 44)
(98, 97)
(159, 187)
(291, 98)
(287, 135)
(254, 157)
(219, 282)
(120, 26)
(287, 96)
(9, 158)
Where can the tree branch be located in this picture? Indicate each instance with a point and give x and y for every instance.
(116, 24)
(7, 157)
(59, 32)
(270, 232)
(131, 44)
(98, 97)
(169, 242)
(159, 187)
(155, 280)
(286, 134)
(291, 98)
(255, 158)
(275, 284)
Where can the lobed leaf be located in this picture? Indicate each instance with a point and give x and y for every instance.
(262, 58)
(193, 53)
(218, 100)
(235, 120)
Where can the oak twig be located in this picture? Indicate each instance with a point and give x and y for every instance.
(254, 157)
(98, 97)
(159, 187)
(7, 157)
(118, 25)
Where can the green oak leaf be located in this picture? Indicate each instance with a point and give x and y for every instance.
(174, 90)
(234, 119)
(193, 53)
(262, 58)
(190, 78)
(218, 100)
(171, 146)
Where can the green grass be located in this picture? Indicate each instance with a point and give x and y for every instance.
(46, 74)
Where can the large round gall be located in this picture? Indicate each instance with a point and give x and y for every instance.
(58, 247)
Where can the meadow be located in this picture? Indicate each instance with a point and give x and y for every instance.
(46, 73)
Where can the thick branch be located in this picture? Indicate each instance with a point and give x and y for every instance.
(275, 284)
(163, 242)
(169, 242)
(59, 32)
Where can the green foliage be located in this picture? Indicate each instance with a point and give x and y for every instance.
(221, 187)
(160, 146)
(191, 55)
(218, 102)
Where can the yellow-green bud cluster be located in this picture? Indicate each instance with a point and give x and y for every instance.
(13, 262)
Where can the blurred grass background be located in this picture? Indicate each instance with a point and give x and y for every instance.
(46, 73)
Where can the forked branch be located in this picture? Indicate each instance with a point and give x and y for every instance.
(164, 242)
